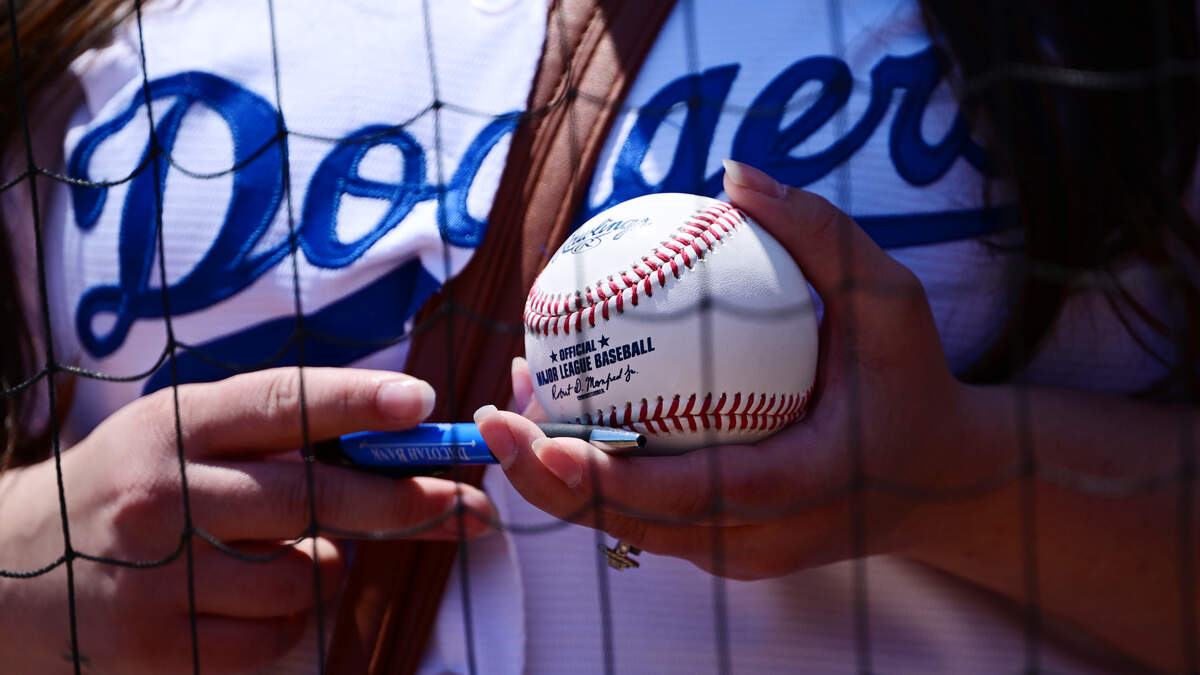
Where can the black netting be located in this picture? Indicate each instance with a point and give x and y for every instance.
(1025, 470)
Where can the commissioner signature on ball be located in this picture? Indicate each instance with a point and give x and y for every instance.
(588, 386)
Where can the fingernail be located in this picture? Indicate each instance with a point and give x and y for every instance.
(484, 412)
(406, 399)
(559, 461)
(503, 452)
(753, 179)
(517, 362)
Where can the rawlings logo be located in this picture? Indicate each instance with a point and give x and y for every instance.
(583, 240)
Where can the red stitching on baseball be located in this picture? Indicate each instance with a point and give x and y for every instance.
(697, 235)
(750, 413)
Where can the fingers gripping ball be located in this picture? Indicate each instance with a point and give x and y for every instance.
(677, 316)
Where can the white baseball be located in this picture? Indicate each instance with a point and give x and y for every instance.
(677, 316)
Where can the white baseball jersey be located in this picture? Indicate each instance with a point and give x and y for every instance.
(397, 127)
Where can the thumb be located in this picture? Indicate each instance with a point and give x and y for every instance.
(831, 249)
(524, 402)
(522, 384)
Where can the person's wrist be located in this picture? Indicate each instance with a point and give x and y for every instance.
(964, 455)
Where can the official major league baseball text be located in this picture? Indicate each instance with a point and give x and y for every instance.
(676, 316)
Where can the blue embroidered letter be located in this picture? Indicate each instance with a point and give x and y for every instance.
(228, 265)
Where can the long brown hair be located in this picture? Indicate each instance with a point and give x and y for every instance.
(1089, 111)
(49, 35)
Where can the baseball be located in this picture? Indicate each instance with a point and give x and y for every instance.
(677, 316)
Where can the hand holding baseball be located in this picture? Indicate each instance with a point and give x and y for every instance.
(886, 406)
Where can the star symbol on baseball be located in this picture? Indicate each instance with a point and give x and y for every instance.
(676, 316)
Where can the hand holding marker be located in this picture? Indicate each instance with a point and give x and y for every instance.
(431, 449)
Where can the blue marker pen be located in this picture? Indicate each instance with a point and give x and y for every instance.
(431, 449)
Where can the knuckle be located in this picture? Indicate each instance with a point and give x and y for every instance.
(350, 398)
(819, 215)
(163, 650)
(633, 531)
(281, 393)
(153, 416)
(290, 583)
(909, 287)
(147, 508)
(286, 636)
(748, 489)
(254, 648)
(152, 406)
(294, 506)
(695, 497)
(690, 505)
(345, 504)
(146, 491)
(403, 514)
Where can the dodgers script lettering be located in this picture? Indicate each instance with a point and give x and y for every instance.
(776, 124)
